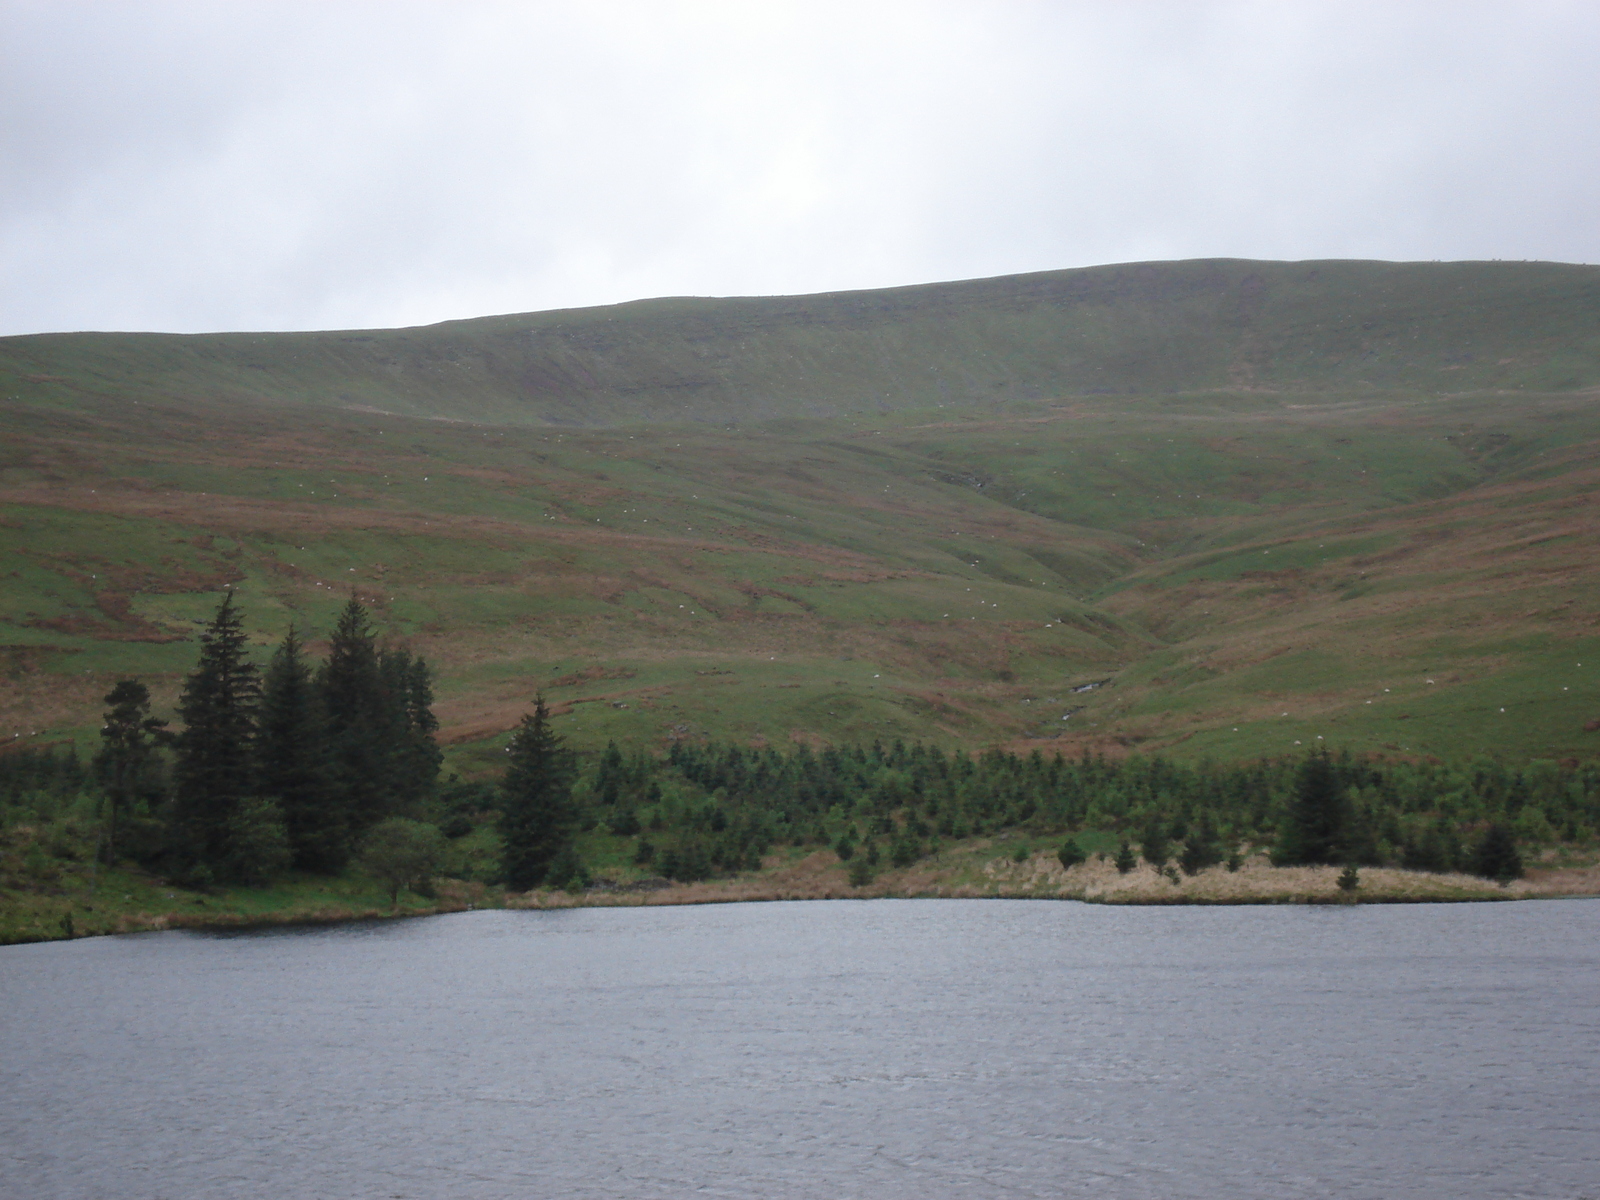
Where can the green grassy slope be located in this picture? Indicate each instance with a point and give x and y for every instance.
(1240, 568)
(1131, 329)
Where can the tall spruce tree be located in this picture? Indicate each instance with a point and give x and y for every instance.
(215, 767)
(536, 810)
(1317, 826)
(407, 698)
(126, 763)
(294, 766)
(1154, 844)
(1126, 861)
(1496, 855)
(361, 737)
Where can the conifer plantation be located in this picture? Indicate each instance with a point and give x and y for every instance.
(332, 766)
(705, 809)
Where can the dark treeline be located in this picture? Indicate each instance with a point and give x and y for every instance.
(30, 776)
(287, 766)
(711, 808)
(297, 763)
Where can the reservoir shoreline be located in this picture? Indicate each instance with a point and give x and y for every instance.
(973, 873)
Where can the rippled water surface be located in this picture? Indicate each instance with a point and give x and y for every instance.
(880, 1049)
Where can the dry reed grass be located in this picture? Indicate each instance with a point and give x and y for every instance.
(821, 876)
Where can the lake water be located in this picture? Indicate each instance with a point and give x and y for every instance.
(919, 1049)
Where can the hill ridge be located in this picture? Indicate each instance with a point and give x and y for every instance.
(1123, 329)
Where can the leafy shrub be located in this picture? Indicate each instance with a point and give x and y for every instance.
(402, 853)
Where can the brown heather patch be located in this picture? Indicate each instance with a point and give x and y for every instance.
(1562, 881)
(241, 516)
(55, 700)
(477, 715)
(589, 675)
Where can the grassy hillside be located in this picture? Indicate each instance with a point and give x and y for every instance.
(1124, 330)
(1220, 508)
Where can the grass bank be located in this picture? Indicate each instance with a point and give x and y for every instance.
(975, 870)
(71, 902)
(68, 900)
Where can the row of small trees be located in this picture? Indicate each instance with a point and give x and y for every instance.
(286, 767)
(726, 804)
(1320, 826)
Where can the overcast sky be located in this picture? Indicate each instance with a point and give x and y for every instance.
(284, 165)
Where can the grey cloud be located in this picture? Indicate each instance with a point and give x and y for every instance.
(298, 165)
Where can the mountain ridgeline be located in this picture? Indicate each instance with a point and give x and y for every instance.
(1114, 330)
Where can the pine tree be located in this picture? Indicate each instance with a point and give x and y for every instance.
(381, 730)
(1496, 855)
(1437, 849)
(406, 714)
(537, 815)
(1201, 848)
(215, 767)
(127, 759)
(1318, 818)
(1154, 844)
(293, 763)
(362, 740)
(1125, 858)
(905, 849)
(422, 726)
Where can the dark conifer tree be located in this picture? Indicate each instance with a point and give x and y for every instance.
(406, 716)
(126, 763)
(293, 762)
(361, 734)
(422, 727)
(1201, 848)
(215, 767)
(1316, 826)
(537, 815)
(1154, 844)
(1427, 852)
(1496, 855)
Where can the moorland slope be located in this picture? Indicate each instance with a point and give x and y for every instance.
(1116, 330)
(1221, 508)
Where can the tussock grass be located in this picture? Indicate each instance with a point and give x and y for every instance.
(971, 871)
(126, 902)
